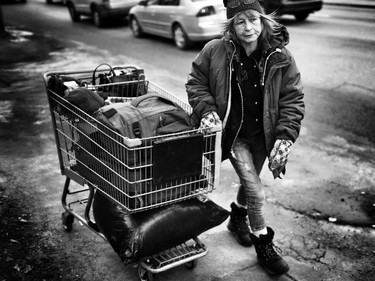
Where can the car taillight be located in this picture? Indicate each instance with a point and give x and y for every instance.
(206, 11)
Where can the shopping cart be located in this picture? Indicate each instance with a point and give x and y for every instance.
(99, 159)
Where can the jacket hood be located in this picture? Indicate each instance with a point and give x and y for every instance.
(281, 39)
(278, 40)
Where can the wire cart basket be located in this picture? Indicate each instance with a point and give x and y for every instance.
(133, 173)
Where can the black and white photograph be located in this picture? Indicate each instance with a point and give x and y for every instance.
(187, 140)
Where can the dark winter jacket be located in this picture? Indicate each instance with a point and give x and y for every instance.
(209, 81)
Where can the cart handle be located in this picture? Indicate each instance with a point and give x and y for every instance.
(132, 142)
(217, 128)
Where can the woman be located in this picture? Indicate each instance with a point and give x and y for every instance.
(249, 82)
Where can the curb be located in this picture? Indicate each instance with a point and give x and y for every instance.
(351, 4)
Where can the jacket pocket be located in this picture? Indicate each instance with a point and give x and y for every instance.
(273, 117)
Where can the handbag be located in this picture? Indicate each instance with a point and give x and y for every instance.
(130, 82)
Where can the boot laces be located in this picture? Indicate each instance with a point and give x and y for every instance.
(271, 252)
(241, 223)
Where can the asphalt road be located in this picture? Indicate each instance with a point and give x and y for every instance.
(333, 49)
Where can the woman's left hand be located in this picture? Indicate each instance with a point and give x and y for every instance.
(279, 156)
(210, 122)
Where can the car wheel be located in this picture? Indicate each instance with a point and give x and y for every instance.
(98, 19)
(136, 27)
(73, 13)
(301, 16)
(180, 38)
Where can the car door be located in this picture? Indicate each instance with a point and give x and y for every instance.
(145, 15)
(82, 6)
(163, 17)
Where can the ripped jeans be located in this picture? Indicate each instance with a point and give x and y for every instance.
(248, 159)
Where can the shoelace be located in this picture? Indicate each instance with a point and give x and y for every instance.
(271, 252)
(241, 223)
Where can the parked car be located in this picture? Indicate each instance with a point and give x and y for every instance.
(53, 1)
(299, 8)
(184, 21)
(12, 1)
(99, 10)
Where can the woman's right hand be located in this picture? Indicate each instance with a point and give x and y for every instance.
(210, 123)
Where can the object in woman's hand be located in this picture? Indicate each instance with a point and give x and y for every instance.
(209, 121)
(279, 157)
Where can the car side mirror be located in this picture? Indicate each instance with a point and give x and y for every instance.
(143, 2)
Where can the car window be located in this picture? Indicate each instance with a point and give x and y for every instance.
(169, 2)
(153, 2)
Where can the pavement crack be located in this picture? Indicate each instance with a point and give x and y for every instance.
(290, 277)
(229, 274)
(346, 84)
(321, 217)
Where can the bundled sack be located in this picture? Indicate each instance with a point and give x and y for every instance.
(56, 83)
(85, 99)
(76, 92)
(137, 235)
(145, 116)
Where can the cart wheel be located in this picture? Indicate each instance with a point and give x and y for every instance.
(67, 220)
(191, 264)
(144, 275)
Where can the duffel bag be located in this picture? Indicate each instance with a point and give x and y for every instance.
(146, 116)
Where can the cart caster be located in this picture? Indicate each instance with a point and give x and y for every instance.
(191, 264)
(144, 275)
(67, 220)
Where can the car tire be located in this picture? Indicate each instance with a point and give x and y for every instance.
(73, 13)
(180, 37)
(98, 19)
(301, 16)
(136, 27)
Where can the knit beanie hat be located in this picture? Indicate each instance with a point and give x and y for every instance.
(236, 6)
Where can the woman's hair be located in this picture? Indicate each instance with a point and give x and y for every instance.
(270, 26)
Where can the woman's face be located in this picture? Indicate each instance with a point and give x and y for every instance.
(247, 27)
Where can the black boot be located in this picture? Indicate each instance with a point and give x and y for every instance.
(268, 257)
(238, 225)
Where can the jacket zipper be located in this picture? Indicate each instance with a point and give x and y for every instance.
(277, 50)
(240, 126)
(242, 109)
(225, 120)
